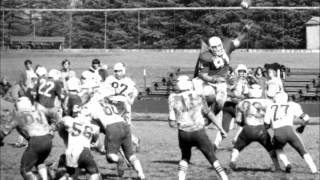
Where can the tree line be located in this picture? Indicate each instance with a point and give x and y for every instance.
(272, 29)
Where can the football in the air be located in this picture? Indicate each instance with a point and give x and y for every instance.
(245, 4)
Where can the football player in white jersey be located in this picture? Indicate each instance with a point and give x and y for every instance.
(32, 125)
(250, 115)
(81, 132)
(117, 132)
(123, 86)
(186, 109)
(125, 92)
(280, 115)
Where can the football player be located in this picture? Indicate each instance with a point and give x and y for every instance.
(125, 92)
(280, 115)
(212, 68)
(94, 69)
(117, 132)
(250, 115)
(81, 132)
(186, 109)
(33, 126)
(47, 90)
(66, 72)
(239, 89)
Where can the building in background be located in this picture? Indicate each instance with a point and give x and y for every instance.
(313, 33)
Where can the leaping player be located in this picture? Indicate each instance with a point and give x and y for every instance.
(212, 70)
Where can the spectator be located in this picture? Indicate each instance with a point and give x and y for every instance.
(261, 80)
(170, 81)
(29, 72)
(148, 91)
(4, 86)
(274, 83)
(164, 81)
(94, 69)
(66, 72)
(156, 86)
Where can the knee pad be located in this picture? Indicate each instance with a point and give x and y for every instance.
(183, 165)
(95, 176)
(42, 166)
(133, 158)
(112, 158)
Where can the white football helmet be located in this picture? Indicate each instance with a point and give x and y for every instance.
(280, 97)
(54, 74)
(184, 83)
(119, 70)
(216, 46)
(24, 104)
(41, 71)
(241, 67)
(73, 84)
(87, 79)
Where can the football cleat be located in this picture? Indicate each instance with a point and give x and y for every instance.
(232, 165)
(288, 168)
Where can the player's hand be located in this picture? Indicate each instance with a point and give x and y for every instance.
(300, 129)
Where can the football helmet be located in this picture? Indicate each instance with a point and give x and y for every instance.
(73, 84)
(87, 79)
(216, 46)
(24, 104)
(280, 97)
(41, 71)
(119, 70)
(241, 67)
(184, 83)
(54, 74)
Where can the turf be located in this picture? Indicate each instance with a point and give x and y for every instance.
(160, 155)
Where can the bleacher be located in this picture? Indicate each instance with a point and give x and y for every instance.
(300, 84)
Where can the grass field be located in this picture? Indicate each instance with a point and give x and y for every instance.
(160, 155)
(157, 63)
